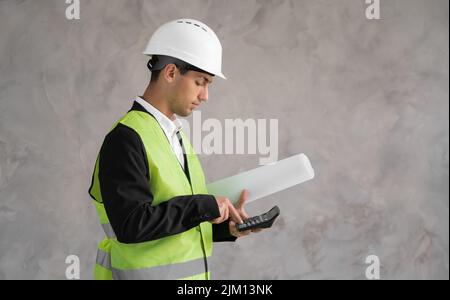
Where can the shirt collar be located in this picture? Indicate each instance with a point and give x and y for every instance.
(169, 126)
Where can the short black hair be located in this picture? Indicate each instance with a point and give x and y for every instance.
(158, 63)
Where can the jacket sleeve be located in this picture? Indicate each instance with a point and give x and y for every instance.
(124, 183)
(221, 232)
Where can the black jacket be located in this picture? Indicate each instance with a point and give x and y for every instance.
(124, 183)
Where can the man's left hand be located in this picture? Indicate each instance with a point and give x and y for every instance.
(244, 216)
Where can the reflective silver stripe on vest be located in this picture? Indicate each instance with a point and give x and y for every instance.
(174, 271)
(103, 259)
(107, 228)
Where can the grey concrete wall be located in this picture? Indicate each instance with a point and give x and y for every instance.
(366, 100)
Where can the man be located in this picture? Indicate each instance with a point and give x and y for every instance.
(148, 184)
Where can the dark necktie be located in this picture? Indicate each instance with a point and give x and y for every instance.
(185, 167)
(179, 138)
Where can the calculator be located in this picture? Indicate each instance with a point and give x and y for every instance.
(262, 221)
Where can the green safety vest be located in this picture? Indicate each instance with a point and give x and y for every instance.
(179, 256)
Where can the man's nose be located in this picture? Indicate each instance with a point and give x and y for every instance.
(203, 96)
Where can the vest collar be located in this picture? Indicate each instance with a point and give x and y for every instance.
(138, 107)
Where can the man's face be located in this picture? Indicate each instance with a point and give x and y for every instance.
(191, 89)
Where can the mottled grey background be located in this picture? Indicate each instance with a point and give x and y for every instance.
(367, 101)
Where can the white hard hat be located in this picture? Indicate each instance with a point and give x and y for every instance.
(190, 41)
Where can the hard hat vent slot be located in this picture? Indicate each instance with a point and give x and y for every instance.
(190, 23)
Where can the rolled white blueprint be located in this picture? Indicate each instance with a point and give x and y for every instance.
(265, 180)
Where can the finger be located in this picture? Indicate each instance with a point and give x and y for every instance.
(256, 230)
(232, 227)
(234, 214)
(242, 199)
(226, 215)
(245, 233)
(241, 233)
(219, 218)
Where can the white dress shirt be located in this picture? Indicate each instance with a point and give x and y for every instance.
(169, 127)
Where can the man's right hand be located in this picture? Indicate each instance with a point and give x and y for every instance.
(227, 210)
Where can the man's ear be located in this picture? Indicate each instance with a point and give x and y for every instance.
(170, 73)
